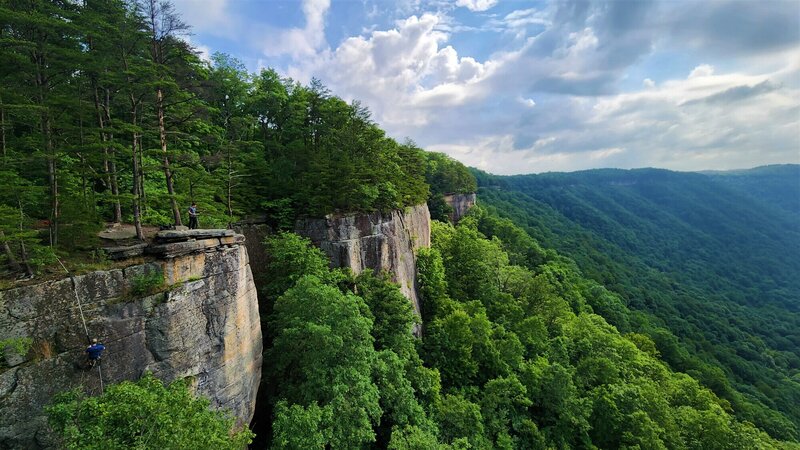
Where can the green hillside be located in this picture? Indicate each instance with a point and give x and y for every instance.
(777, 185)
(606, 309)
(712, 261)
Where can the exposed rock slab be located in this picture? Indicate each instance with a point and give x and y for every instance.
(461, 203)
(204, 324)
(125, 252)
(377, 241)
(185, 235)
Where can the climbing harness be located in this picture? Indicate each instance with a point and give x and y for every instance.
(83, 320)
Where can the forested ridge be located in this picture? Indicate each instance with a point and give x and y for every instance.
(108, 115)
(560, 328)
(713, 258)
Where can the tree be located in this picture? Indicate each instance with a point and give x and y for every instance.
(291, 258)
(164, 26)
(460, 418)
(299, 428)
(43, 32)
(143, 414)
(323, 352)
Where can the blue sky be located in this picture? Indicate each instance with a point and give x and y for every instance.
(537, 86)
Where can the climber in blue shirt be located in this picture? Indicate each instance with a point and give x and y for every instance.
(94, 352)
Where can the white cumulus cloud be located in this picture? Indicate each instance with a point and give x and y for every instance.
(476, 5)
(301, 42)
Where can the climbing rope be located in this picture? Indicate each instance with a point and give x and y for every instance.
(100, 374)
(83, 318)
(77, 298)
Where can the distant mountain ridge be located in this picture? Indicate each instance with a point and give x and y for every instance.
(714, 256)
(775, 184)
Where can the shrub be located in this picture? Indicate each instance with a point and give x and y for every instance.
(20, 346)
(147, 283)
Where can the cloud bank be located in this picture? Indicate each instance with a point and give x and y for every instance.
(570, 85)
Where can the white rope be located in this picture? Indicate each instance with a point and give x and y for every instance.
(83, 319)
(77, 298)
(100, 373)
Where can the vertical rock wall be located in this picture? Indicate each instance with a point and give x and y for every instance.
(204, 325)
(377, 241)
(461, 203)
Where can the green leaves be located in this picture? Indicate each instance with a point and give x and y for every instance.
(144, 414)
(323, 352)
(299, 428)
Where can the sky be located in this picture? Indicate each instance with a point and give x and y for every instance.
(536, 86)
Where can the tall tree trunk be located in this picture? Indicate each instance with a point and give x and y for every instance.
(82, 141)
(52, 175)
(137, 219)
(112, 162)
(140, 179)
(109, 166)
(12, 260)
(22, 250)
(162, 134)
(3, 129)
(101, 126)
(230, 187)
(43, 85)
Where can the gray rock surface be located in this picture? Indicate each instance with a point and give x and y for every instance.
(461, 203)
(203, 323)
(377, 241)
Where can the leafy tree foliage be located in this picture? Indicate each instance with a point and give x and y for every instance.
(512, 356)
(445, 175)
(108, 115)
(345, 363)
(525, 347)
(703, 264)
(144, 414)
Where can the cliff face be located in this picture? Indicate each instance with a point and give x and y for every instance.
(377, 241)
(204, 324)
(461, 203)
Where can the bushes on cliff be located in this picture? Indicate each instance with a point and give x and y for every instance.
(143, 414)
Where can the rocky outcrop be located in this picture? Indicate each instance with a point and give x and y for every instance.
(461, 203)
(201, 323)
(377, 241)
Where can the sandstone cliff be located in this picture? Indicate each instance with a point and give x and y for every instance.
(461, 203)
(377, 241)
(203, 324)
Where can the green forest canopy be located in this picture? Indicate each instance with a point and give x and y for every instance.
(513, 355)
(108, 115)
(711, 268)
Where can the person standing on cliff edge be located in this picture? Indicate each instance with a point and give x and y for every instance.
(193, 216)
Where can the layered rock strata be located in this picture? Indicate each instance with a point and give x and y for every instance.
(201, 323)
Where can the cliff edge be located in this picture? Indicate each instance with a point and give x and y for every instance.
(377, 241)
(199, 319)
(460, 203)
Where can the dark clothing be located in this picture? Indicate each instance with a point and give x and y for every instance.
(95, 351)
(192, 217)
